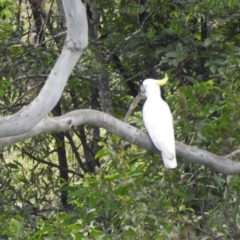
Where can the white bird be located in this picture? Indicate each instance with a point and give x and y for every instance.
(157, 119)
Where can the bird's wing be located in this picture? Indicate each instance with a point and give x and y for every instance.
(158, 122)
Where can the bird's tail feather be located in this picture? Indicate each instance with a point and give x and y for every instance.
(170, 163)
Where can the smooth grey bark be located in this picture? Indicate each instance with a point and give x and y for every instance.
(131, 134)
(76, 42)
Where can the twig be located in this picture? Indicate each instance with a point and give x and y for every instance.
(53, 37)
(30, 76)
(131, 78)
(51, 164)
(141, 27)
(23, 95)
(135, 102)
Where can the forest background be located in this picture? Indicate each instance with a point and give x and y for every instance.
(96, 180)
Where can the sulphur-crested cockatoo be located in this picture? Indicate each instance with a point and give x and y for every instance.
(157, 118)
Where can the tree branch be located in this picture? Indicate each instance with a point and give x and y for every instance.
(133, 105)
(131, 134)
(76, 41)
(22, 96)
(51, 164)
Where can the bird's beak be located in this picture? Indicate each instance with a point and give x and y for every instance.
(162, 81)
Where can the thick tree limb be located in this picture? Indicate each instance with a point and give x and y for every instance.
(129, 133)
(76, 41)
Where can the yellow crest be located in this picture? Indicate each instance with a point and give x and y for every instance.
(162, 81)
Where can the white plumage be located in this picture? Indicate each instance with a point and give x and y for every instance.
(157, 118)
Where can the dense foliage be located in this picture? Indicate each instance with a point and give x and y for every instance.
(89, 184)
